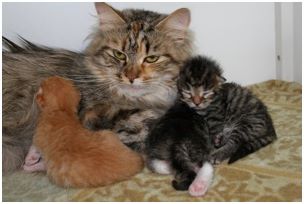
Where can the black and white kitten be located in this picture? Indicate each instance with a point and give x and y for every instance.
(179, 143)
(238, 121)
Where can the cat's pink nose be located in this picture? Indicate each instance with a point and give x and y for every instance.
(197, 100)
(131, 75)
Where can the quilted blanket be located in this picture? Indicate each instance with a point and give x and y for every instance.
(270, 174)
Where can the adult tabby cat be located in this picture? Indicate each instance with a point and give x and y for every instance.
(126, 74)
(238, 121)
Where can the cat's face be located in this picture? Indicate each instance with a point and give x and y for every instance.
(199, 81)
(138, 52)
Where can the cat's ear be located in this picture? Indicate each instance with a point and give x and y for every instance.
(40, 98)
(176, 24)
(109, 18)
(220, 79)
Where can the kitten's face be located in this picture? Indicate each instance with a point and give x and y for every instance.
(198, 82)
(197, 97)
(138, 53)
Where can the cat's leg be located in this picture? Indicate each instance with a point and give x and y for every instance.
(183, 179)
(160, 166)
(134, 129)
(202, 181)
(33, 161)
(98, 117)
(222, 138)
(219, 140)
(133, 121)
(225, 151)
(134, 141)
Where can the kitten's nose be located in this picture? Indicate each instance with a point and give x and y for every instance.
(197, 100)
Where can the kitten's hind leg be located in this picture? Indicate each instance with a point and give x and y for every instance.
(202, 181)
(33, 161)
(183, 180)
(160, 166)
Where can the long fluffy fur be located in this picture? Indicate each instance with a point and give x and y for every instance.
(74, 156)
(96, 75)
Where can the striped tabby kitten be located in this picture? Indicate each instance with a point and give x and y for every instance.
(126, 77)
(238, 121)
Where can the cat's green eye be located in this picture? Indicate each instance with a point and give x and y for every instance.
(119, 55)
(151, 59)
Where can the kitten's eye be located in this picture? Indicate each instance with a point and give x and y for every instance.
(208, 94)
(119, 55)
(186, 93)
(151, 59)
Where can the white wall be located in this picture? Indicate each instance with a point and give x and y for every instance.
(297, 24)
(241, 36)
(289, 41)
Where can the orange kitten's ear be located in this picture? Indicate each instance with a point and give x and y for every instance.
(109, 18)
(176, 23)
(40, 98)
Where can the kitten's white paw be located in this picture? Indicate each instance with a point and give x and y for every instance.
(33, 161)
(198, 188)
(202, 180)
(161, 166)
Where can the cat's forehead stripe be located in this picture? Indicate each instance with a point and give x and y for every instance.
(137, 41)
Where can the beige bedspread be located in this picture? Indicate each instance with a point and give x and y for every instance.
(271, 174)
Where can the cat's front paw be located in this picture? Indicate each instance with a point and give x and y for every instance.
(218, 156)
(220, 140)
(125, 126)
(92, 121)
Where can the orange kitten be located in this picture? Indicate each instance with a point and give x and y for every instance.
(74, 156)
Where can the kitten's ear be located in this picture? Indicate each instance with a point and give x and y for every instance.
(109, 18)
(221, 79)
(40, 98)
(176, 23)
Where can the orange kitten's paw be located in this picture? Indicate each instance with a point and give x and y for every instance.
(39, 166)
(33, 156)
(33, 161)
